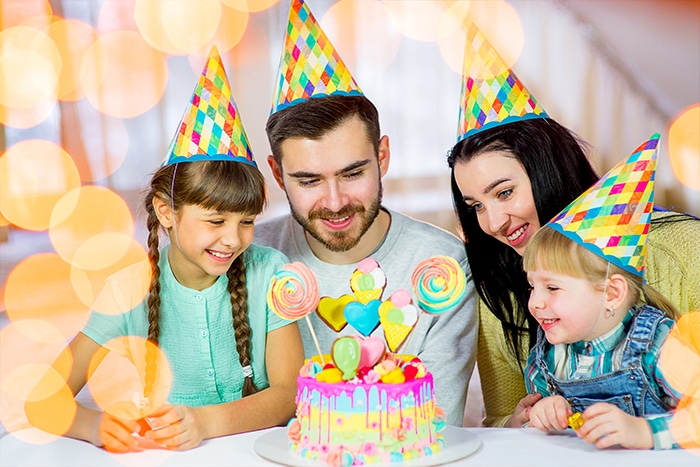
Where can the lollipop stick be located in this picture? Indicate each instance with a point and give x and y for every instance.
(313, 334)
(405, 343)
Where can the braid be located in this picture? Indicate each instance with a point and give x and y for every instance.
(153, 299)
(241, 327)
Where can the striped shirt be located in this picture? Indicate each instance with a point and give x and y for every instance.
(603, 355)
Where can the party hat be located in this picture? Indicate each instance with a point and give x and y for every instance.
(491, 93)
(211, 127)
(611, 218)
(310, 65)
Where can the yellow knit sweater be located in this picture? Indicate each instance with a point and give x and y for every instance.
(673, 269)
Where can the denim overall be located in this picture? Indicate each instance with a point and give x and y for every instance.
(627, 388)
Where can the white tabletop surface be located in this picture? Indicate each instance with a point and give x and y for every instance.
(497, 447)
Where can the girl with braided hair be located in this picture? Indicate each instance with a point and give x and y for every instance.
(233, 361)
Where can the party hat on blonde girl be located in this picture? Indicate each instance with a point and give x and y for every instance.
(491, 93)
(310, 66)
(211, 127)
(612, 218)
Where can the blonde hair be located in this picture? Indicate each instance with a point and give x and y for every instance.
(224, 186)
(553, 251)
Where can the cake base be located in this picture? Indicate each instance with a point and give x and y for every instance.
(274, 446)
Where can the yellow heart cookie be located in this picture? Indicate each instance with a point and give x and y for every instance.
(331, 311)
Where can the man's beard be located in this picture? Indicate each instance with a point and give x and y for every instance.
(345, 240)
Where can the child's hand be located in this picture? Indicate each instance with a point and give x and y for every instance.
(115, 434)
(521, 415)
(607, 425)
(550, 414)
(175, 427)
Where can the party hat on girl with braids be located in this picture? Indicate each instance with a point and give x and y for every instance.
(310, 66)
(211, 127)
(491, 93)
(612, 218)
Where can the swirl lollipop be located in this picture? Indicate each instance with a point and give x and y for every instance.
(293, 294)
(439, 284)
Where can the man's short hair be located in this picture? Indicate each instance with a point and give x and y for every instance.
(315, 117)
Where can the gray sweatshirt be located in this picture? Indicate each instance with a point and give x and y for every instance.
(446, 343)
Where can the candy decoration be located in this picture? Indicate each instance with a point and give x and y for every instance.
(367, 281)
(576, 420)
(398, 316)
(332, 311)
(439, 284)
(372, 350)
(346, 356)
(293, 294)
(364, 318)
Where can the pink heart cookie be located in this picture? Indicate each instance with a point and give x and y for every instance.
(372, 350)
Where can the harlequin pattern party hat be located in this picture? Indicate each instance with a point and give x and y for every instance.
(491, 93)
(611, 218)
(310, 65)
(211, 127)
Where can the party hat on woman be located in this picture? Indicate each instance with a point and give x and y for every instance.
(310, 65)
(211, 127)
(491, 93)
(612, 218)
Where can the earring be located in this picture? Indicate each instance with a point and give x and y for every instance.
(609, 312)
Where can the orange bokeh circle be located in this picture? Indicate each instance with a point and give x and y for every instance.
(231, 28)
(250, 6)
(39, 287)
(122, 75)
(118, 376)
(35, 13)
(81, 215)
(684, 147)
(34, 175)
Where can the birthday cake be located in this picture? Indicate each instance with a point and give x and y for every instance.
(365, 403)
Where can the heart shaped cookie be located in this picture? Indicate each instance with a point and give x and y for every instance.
(364, 318)
(372, 350)
(331, 311)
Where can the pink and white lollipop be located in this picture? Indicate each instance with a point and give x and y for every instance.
(439, 284)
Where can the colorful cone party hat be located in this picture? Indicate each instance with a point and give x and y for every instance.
(211, 127)
(611, 218)
(310, 65)
(491, 93)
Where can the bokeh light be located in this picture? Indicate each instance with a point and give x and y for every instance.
(496, 19)
(72, 38)
(39, 287)
(112, 143)
(419, 19)
(52, 404)
(30, 63)
(116, 15)
(80, 216)
(684, 147)
(177, 28)
(250, 6)
(35, 13)
(680, 363)
(251, 50)
(34, 175)
(117, 377)
(359, 32)
(88, 283)
(122, 75)
(231, 28)
(27, 349)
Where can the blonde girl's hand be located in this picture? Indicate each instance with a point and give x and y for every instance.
(176, 427)
(606, 426)
(521, 415)
(550, 414)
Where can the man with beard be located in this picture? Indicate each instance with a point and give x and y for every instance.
(329, 157)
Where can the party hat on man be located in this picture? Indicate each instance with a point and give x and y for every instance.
(612, 218)
(310, 65)
(491, 93)
(211, 127)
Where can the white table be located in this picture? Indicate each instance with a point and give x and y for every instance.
(499, 447)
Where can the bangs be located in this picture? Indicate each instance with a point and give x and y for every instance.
(222, 186)
(552, 251)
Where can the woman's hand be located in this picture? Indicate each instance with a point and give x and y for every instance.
(115, 434)
(606, 425)
(521, 415)
(550, 414)
(176, 427)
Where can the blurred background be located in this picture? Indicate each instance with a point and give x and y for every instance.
(91, 92)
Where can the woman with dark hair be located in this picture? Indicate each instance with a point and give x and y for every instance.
(513, 169)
